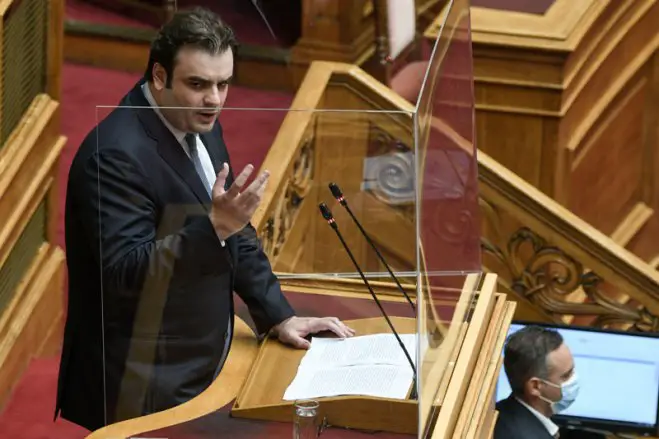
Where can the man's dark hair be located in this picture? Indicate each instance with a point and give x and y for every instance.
(199, 28)
(525, 355)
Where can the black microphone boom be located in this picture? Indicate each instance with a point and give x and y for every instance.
(336, 192)
(327, 214)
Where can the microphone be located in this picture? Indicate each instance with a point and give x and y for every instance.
(327, 214)
(338, 194)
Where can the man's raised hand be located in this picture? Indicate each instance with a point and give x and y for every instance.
(232, 209)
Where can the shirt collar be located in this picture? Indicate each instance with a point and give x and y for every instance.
(548, 423)
(178, 134)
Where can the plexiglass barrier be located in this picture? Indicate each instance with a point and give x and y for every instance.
(369, 218)
(449, 223)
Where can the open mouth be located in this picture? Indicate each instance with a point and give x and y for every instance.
(208, 115)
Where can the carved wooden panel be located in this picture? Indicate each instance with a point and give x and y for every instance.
(279, 224)
(531, 267)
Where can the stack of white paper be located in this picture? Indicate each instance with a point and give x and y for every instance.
(372, 365)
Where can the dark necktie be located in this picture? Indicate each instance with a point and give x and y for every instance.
(191, 140)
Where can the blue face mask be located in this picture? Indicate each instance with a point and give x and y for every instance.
(569, 393)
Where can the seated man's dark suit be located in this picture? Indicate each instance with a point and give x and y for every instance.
(516, 422)
(150, 303)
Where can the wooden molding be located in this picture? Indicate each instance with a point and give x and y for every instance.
(637, 217)
(344, 287)
(27, 168)
(609, 32)
(481, 380)
(30, 323)
(480, 427)
(582, 34)
(559, 29)
(654, 262)
(466, 361)
(617, 60)
(35, 311)
(650, 135)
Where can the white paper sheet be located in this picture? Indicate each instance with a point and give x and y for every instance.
(372, 365)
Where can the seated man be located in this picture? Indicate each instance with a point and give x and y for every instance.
(540, 369)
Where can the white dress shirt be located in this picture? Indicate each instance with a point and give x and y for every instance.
(548, 423)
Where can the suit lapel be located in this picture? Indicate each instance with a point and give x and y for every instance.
(168, 147)
(172, 152)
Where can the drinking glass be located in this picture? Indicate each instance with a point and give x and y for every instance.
(306, 420)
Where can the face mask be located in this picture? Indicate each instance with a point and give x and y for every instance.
(569, 393)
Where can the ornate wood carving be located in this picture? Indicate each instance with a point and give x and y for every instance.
(449, 215)
(546, 275)
(389, 170)
(283, 215)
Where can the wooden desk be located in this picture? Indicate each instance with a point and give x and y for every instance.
(207, 415)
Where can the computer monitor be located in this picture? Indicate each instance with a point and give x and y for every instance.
(618, 375)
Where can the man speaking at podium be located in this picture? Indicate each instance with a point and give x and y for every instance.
(158, 237)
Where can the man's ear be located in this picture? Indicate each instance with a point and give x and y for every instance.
(532, 387)
(159, 77)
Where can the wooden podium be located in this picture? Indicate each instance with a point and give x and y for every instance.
(457, 387)
(275, 368)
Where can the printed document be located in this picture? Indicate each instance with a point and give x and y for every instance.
(371, 365)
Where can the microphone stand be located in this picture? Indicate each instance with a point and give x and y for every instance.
(327, 214)
(338, 194)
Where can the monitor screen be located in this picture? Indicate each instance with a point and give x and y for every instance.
(618, 375)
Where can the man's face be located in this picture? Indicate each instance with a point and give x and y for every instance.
(560, 365)
(200, 82)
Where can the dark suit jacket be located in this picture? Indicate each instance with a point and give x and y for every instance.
(516, 422)
(150, 285)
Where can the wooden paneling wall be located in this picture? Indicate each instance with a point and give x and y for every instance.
(568, 101)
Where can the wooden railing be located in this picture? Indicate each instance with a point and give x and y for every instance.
(552, 263)
(559, 263)
(31, 264)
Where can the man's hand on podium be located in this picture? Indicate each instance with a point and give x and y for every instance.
(293, 330)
